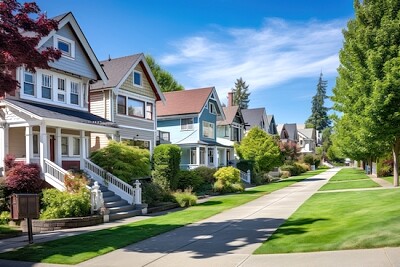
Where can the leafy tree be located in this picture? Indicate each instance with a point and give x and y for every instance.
(289, 150)
(18, 48)
(241, 94)
(367, 88)
(164, 79)
(319, 113)
(261, 148)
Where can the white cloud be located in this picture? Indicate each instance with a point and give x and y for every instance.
(277, 52)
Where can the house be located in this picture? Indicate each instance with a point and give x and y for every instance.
(307, 139)
(272, 130)
(255, 117)
(288, 133)
(47, 120)
(231, 130)
(190, 116)
(128, 99)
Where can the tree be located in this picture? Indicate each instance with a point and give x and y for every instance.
(164, 79)
(319, 113)
(260, 147)
(18, 48)
(240, 94)
(367, 88)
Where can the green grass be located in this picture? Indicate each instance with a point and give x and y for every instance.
(76, 249)
(337, 221)
(389, 179)
(349, 178)
(7, 231)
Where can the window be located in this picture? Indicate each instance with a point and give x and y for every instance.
(149, 111)
(193, 156)
(187, 124)
(35, 143)
(227, 130)
(65, 47)
(29, 83)
(121, 105)
(211, 108)
(64, 145)
(211, 155)
(76, 146)
(61, 90)
(75, 92)
(144, 144)
(208, 129)
(236, 135)
(137, 78)
(135, 108)
(46, 86)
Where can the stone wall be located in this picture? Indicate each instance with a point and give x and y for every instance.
(39, 226)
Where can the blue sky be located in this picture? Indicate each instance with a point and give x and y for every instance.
(278, 47)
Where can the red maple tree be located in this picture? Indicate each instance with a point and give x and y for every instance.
(20, 35)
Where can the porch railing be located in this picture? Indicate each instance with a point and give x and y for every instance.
(119, 187)
(245, 176)
(54, 174)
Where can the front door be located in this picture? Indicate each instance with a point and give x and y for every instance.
(52, 148)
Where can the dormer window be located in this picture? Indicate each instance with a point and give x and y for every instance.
(137, 78)
(66, 46)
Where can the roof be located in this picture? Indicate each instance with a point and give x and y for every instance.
(291, 129)
(230, 113)
(60, 113)
(269, 118)
(184, 102)
(308, 132)
(253, 117)
(116, 70)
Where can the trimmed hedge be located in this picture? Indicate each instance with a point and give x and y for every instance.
(166, 160)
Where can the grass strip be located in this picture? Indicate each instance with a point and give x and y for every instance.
(389, 179)
(338, 221)
(7, 231)
(349, 178)
(79, 248)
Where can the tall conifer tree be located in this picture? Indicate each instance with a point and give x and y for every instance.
(241, 94)
(319, 113)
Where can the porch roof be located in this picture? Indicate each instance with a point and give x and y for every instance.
(208, 143)
(46, 111)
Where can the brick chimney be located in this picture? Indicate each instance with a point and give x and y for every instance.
(230, 99)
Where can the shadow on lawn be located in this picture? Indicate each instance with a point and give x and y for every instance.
(294, 227)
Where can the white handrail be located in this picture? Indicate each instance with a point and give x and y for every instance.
(54, 174)
(245, 176)
(125, 190)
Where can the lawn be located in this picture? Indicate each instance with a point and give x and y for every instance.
(337, 221)
(349, 178)
(76, 249)
(8, 231)
(389, 179)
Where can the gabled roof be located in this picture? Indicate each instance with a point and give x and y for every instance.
(269, 118)
(65, 18)
(309, 133)
(230, 113)
(45, 111)
(253, 117)
(184, 102)
(119, 69)
(291, 129)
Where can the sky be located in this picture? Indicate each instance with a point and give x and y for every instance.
(278, 47)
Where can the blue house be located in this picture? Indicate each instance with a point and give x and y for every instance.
(190, 116)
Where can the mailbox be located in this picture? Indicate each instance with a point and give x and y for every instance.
(24, 206)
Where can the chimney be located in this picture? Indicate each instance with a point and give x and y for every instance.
(230, 99)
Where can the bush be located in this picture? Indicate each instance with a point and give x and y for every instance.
(166, 160)
(303, 167)
(189, 179)
(5, 217)
(4, 194)
(262, 178)
(185, 198)
(206, 174)
(309, 159)
(228, 180)
(125, 162)
(24, 178)
(285, 174)
(153, 194)
(9, 162)
(74, 182)
(57, 204)
(296, 168)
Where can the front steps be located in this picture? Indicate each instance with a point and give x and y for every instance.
(118, 208)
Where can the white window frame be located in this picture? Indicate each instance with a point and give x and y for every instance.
(71, 43)
(50, 86)
(25, 72)
(187, 126)
(141, 78)
(76, 140)
(208, 125)
(149, 111)
(77, 92)
(61, 91)
(211, 155)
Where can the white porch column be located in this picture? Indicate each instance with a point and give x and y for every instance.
(58, 152)
(82, 149)
(224, 160)
(216, 158)
(206, 160)
(197, 155)
(28, 144)
(43, 145)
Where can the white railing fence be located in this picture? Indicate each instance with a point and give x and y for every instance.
(54, 175)
(245, 176)
(124, 190)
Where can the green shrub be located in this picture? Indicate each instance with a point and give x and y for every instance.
(285, 174)
(309, 159)
(228, 180)
(303, 167)
(58, 204)
(323, 167)
(166, 160)
(185, 198)
(296, 168)
(126, 162)
(4, 194)
(153, 194)
(189, 179)
(207, 174)
(5, 217)
(385, 166)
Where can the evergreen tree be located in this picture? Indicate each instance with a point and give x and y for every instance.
(367, 88)
(319, 113)
(164, 79)
(240, 94)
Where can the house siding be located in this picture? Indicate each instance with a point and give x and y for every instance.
(178, 136)
(212, 118)
(16, 140)
(81, 64)
(144, 90)
(98, 141)
(100, 104)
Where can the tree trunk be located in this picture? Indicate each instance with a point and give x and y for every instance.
(395, 150)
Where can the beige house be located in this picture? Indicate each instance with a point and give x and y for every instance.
(128, 100)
